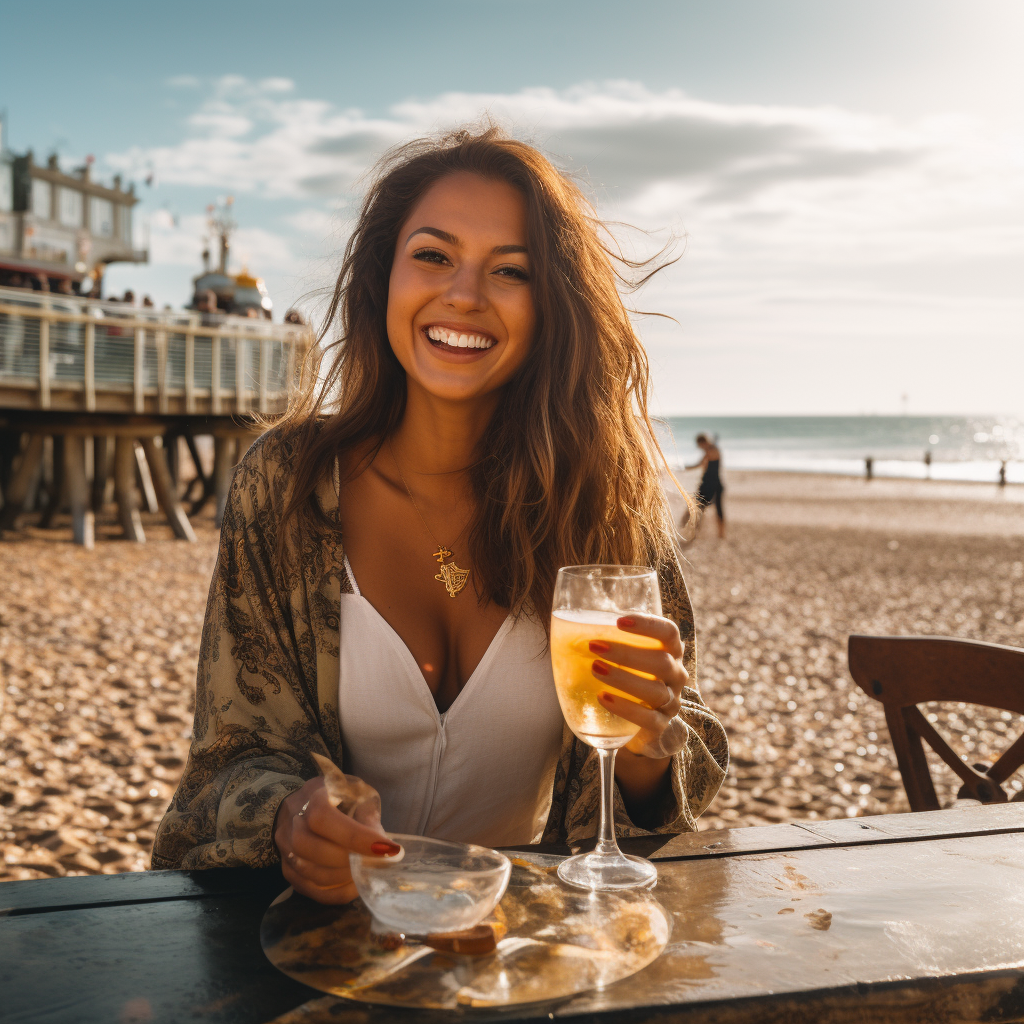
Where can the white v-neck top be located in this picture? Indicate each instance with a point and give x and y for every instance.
(482, 771)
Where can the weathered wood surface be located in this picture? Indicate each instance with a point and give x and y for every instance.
(911, 918)
(169, 960)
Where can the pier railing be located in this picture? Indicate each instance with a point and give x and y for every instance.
(63, 353)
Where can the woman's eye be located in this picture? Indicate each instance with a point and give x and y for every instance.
(430, 256)
(513, 271)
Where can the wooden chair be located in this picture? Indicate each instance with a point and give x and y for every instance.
(904, 671)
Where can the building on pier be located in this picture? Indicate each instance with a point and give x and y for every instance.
(96, 393)
(61, 227)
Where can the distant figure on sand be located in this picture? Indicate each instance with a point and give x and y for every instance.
(869, 467)
(710, 488)
(928, 464)
(1002, 473)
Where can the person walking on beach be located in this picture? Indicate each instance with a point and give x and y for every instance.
(710, 488)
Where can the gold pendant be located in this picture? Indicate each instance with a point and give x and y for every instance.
(453, 578)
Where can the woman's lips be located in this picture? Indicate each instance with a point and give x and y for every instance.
(457, 345)
(454, 339)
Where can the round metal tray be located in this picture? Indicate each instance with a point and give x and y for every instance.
(557, 942)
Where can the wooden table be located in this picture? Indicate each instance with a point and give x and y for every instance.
(909, 917)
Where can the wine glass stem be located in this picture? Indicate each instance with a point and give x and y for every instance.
(606, 845)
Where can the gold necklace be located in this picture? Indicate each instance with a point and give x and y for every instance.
(453, 578)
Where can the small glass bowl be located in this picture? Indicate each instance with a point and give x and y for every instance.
(436, 886)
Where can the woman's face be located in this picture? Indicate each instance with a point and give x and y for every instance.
(461, 317)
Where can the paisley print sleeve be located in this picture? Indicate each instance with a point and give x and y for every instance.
(257, 714)
(697, 771)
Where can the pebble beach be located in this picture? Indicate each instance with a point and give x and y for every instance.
(98, 657)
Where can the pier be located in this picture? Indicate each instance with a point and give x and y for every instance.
(98, 392)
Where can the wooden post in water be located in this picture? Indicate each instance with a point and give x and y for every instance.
(124, 488)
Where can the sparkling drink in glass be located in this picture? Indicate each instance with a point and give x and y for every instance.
(571, 660)
(587, 602)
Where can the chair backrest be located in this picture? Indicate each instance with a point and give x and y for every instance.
(904, 671)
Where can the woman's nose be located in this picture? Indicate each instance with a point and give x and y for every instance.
(465, 290)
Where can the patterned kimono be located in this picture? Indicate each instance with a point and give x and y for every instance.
(267, 689)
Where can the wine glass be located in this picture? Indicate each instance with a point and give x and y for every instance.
(588, 600)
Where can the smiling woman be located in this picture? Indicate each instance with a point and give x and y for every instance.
(476, 419)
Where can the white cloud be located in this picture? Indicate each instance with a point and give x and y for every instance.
(656, 157)
(625, 136)
(801, 223)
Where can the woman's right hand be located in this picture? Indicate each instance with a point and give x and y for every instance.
(314, 840)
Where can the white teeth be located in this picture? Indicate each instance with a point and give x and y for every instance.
(455, 340)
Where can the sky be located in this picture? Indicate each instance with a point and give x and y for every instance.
(842, 181)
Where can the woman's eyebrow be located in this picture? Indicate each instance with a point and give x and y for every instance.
(447, 236)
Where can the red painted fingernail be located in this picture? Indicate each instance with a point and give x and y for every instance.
(383, 849)
(625, 622)
(600, 668)
(605, 696)
(599, 647)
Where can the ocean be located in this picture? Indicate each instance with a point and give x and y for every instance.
(961, 447)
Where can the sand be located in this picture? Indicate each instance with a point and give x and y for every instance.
(98, 654)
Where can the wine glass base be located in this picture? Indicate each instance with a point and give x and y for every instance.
(603, 872)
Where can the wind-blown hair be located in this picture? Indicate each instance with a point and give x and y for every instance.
(566, 471)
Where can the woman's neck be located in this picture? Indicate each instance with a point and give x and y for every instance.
(436, 443)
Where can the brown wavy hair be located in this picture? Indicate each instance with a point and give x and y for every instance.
(566, 471)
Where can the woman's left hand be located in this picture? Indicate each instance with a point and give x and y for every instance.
(617, 665)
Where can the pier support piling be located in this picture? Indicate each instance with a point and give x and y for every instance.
(125, 468)
(82, 517)
(223, 465)
(22, 483)
(166, 492)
